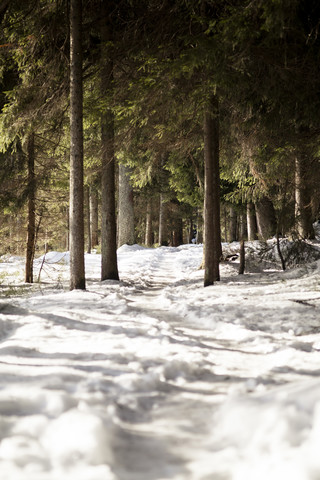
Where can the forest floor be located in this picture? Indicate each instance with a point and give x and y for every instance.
(155, 377)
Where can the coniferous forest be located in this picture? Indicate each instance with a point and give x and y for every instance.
(148, 149)
(156, 122)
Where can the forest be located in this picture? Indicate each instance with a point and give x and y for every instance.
(156, 122)
(140, 140)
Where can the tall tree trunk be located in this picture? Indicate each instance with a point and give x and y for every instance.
(77, 271)
(212, 234)
(190, 231)
(31, 228)
(163, 217)
(177, 233)
(94, 216)
(148, 234)
(88, 223)
(109, 264)
(67, 237)
(303, 212)
(315, 205)
(199, 227)
(233, 224)
(125, 208)
(242, 263)
(251, 222)
(177, 225)
(266, 219)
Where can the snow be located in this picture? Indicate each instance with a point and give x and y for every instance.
(155, 377)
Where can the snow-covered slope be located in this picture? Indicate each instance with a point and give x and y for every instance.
(155, 377)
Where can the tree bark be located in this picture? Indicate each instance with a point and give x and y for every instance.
(242, 263)
(176, 224)
(148, 234)
(88, 223)
(109, 264)
(283, 263)
(212, 234)
(233, 224)
(177, 233)
(94, 217)
(243, 232)
(251, 222)
(266, 219)
(303, 212)
(163, 217)
(31, 228)
(126, 233)
(77, 271)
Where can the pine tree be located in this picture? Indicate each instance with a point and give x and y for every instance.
(126, 233)
(31, 227)
(109, 265)
(212, 242)
(77, 270)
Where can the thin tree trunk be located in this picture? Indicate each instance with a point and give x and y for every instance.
(243, 232)
(31, 228)
(148, 234)
(199, 227)
(177, 225)
(242, 257)
(88, 224)
(109, 264)
(163, 229)
(233, 224)
(125, 208)
(283, 263)
(77, 271)
(225, 222)
(94, 217)
(190, 230)
(212, 234)
(67, 237)
(302, 199)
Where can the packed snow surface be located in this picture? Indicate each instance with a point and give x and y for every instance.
(155, 377)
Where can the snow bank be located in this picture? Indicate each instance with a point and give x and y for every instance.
(54, 257)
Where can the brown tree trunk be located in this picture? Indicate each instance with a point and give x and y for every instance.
(243, 232)
(126, 234)
(266, 219)
(177, 233)
(251, 222)
(77, 271)
(94, 217)
(242, 257)
(67, 237)
(148, 234)
(109, 264)
(233, 224)
(303, 212)
(88, 224)
(31, 228)
(163, 217)
(212, 235)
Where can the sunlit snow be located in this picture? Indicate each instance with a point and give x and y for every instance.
(155, 377)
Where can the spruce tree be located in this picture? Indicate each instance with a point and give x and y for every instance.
(77, 269)
(109, 264)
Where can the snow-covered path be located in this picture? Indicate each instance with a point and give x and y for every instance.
(156, 377)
